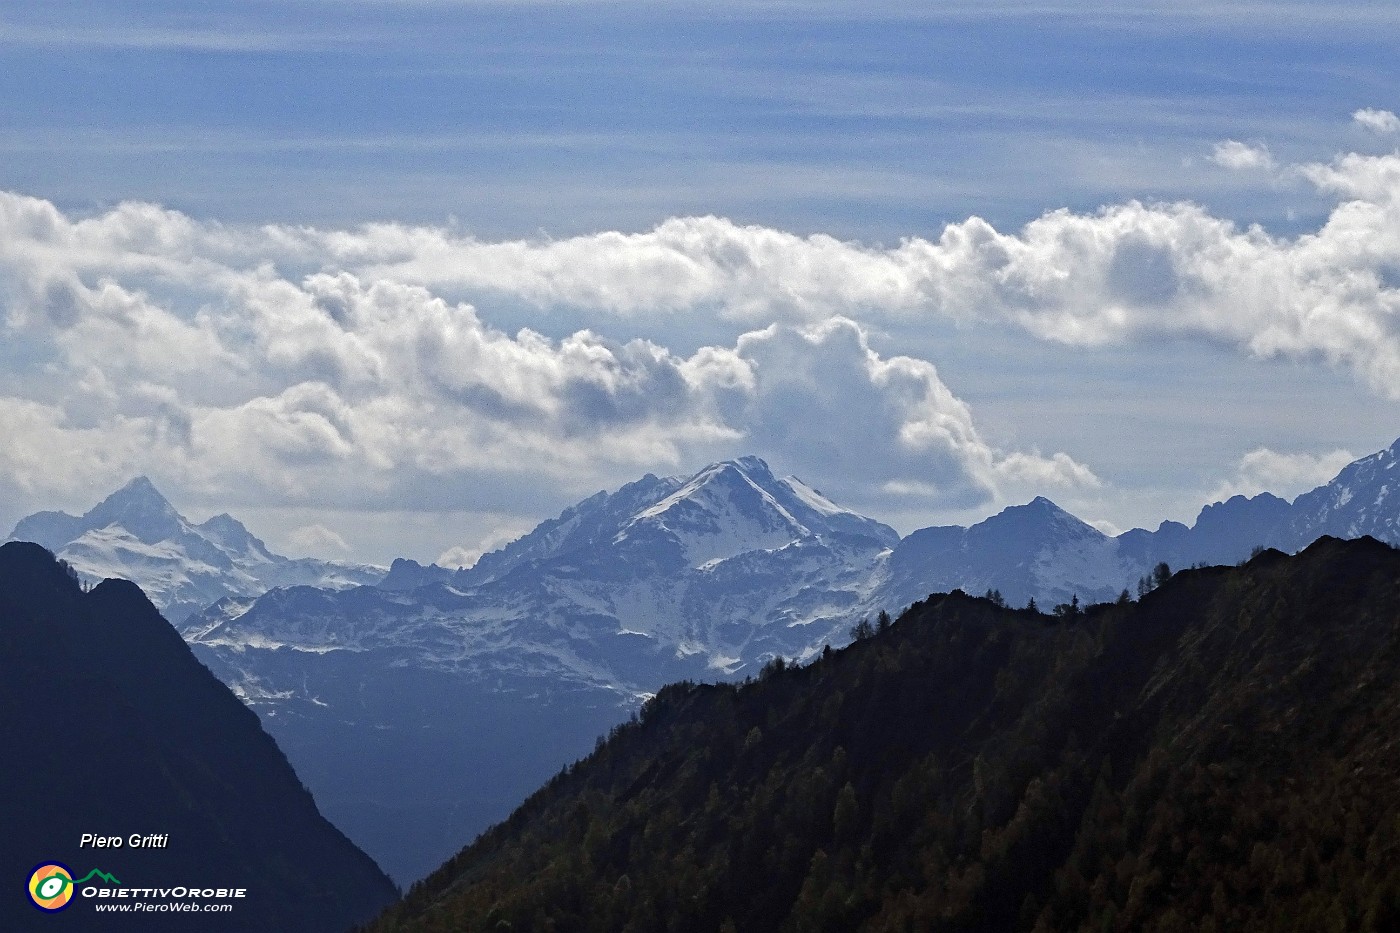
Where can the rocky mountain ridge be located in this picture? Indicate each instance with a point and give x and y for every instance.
(136, 534)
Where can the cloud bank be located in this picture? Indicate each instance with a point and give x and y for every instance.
(355, 367)
(1130, 273)
(153, 343)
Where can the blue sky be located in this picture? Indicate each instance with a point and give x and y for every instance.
(572, 117)
(295, 127)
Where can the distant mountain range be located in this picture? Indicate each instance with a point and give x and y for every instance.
(713, 574)
(135, 534)
(421, 710)
(432, 677)
(1219, 755)
(112, 728)
(666, 578)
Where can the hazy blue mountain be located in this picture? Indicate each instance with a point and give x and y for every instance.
(1037, 549)
(1363, 499)
(407, 574)
(136, 534)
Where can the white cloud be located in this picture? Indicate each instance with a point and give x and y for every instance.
(1285, 475)
(1233, 154)
(1377, 121)
(467, 555)
(318, 539)
(1105, 526)
(1129, 273)
(822, 398)
(353, 366)
(194, 347)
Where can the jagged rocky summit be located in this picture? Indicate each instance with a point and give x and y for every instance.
(136, 534)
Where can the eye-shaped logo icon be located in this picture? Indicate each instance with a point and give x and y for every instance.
(51, 886)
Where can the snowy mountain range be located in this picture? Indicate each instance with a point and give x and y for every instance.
(667, 577)
(136, 534)
(422, 708)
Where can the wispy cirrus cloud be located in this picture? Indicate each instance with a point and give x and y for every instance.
(211, 38)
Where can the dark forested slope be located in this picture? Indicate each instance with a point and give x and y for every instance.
(112, 728)
(1222, 755)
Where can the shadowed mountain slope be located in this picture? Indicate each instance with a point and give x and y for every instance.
(112, 727)
(1218, 756)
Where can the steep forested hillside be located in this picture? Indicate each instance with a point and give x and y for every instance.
(1221, 755)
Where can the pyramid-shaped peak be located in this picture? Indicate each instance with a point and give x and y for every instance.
(139, 488)
(746, 490)
(140, 509)
(1040, 512)
(232, 535)
(1037, 506)
(747, 477)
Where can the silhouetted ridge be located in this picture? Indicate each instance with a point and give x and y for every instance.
(117, 729)
(1219, 755)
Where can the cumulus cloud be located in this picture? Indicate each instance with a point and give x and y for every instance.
(354, 365)
(821, 397)
(467, 555)
(1377, 121)
(1233, 154)
(1128, 273)
(1106, 526)
(318, 539)
(155, 339)
(1285, 475)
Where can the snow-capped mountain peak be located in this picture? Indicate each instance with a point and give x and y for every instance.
(141, 510)
(720, 511)
(725, 509)
(136, 534)
(232, 536)
(666, 576)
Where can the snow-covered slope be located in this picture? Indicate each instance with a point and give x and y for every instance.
(1364, 499)
(693, 576)
(136, 534)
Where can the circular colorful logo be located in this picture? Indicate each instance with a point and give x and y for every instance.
(51, 886)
